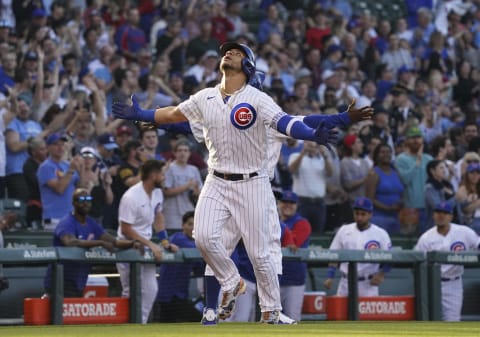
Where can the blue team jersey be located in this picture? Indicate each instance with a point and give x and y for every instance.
(25, 130)
(76, 273)
(174, 279)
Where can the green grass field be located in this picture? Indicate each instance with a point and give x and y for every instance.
(321, 329)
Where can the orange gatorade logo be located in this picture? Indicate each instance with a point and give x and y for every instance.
(243, 116)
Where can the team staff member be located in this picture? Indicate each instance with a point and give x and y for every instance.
(360, 235)
(173, 302)
(292, 282)
(140, 208)
(235, 117)
(77, 229)
(450, 237)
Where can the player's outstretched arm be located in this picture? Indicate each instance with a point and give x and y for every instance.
(169, 114)
(344, 119)
(294, 127)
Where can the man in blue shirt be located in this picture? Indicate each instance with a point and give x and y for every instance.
(57, 179)
(77, 229)
(173, 302)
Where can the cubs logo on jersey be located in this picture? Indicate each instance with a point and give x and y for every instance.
(243, 116)
(372, 244)
(458, 246)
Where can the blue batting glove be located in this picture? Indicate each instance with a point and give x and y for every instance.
(132, 112)
(324, 134)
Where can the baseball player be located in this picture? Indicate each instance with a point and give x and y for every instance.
(361, 235)
(450, 237)
(235, 117)
(140, 208)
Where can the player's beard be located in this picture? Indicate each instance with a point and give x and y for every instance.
(362, 225)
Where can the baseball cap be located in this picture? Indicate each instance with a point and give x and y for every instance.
(413, 131)
(289, 196)
(473, 167)
(404, 69)
(443, 207)
(210, 53)
(349, 140)
(107, 140)
(39, 13)
(124, 129)
(363, 203)
(333, 48)
(327, 74)
(89, 149)
(31, 56)
(55, 137)
(303, 72)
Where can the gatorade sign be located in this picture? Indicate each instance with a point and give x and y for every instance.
(314, 302)
(99, 310)
(386, 308)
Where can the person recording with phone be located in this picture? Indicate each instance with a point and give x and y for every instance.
(98, 182)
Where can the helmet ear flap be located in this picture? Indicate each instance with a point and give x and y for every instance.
(248, 68)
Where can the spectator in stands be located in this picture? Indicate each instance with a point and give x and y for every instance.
(271, 24)
(468, 197)
(412, 168)
(430, 124)
(182, 186)
(353, 168)
(198, 46)
(360, 235)
(400, 111)
(310, 168)
(173, 298)
(150, 97)
(16, 135)
(315, 34)
(470, 131)
(37, 150)
(441, 148)
(385, 189)
(98, 183)
(57, 179)
(136, 223)
(6, 116)
(294, 273)
(438, 189)
(123, 135)
(171, 45)
(395, 56)
(205, 70)
(77, 229)
(131, 37)
(221, 26)
(449, 237)
(233, 15)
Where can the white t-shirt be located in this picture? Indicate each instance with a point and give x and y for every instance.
(137, 209)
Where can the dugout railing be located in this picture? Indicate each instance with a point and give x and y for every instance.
(435, 259)
(312, 256)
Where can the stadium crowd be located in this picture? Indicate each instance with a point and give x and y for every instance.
(63, 63)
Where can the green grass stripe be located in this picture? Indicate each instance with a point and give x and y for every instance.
(321, 329)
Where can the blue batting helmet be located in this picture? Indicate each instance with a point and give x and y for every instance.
(248, 62)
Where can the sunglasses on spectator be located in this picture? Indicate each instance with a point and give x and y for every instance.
(85, 198)
(88, 155)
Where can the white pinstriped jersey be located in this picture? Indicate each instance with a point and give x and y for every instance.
(349, 237)
(459, 238)
(235, 132)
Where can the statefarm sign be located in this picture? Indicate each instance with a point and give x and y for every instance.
(93, 310)
(394, 308)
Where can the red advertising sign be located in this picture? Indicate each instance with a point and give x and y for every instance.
(93, 310)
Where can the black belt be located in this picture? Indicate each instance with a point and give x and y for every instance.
(446, 279)
(234, 176)
(312, 200)
(361, 278)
